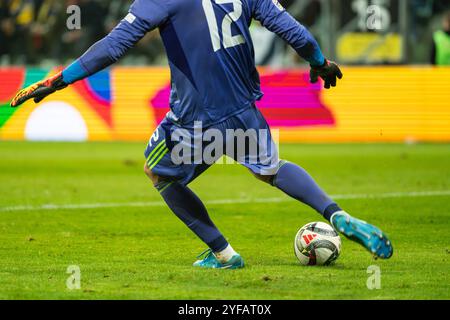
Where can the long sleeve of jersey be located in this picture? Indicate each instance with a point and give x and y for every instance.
(276, 19)
(111, 48)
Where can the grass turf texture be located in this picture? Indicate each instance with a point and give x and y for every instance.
(146, 252)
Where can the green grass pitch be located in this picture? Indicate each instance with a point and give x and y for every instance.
(136, 249)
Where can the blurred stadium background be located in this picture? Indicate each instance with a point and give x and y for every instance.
(390, 91)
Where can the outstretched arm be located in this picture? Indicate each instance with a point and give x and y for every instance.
(276, 19)
(103, 53)
(108, 50)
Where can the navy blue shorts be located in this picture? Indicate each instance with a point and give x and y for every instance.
(166, 152)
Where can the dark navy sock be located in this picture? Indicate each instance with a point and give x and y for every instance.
(190, 209)
(297, 183)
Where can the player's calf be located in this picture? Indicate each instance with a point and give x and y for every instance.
(297, 183)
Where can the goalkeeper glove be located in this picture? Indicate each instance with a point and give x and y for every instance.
(39, 90)
(329, 71)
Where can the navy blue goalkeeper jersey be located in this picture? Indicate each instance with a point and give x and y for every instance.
(209, 48)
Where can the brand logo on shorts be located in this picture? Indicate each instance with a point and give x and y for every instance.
(130, 18)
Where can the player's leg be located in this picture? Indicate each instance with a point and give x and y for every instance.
(298, 184)
(189, 208)
(266, 166)
(294, 181)
(171, 182)
(185, 204)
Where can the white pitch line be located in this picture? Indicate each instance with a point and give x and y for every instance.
(82, 206)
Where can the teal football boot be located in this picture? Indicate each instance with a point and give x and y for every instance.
(210, 261)
(369, 236)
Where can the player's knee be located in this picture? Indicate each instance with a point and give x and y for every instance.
(153, 177)
(269, 178)
(265, 178)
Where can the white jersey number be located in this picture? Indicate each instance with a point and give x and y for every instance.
(227, 38)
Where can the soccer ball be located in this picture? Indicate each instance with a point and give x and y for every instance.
(317, 243)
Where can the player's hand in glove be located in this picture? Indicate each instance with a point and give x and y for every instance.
(39, 90)
(329, 72)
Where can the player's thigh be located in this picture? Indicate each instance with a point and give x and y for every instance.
(162, 161)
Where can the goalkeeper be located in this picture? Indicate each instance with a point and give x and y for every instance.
(215, 83)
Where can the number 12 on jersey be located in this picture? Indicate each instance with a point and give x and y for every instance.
(228, 39)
